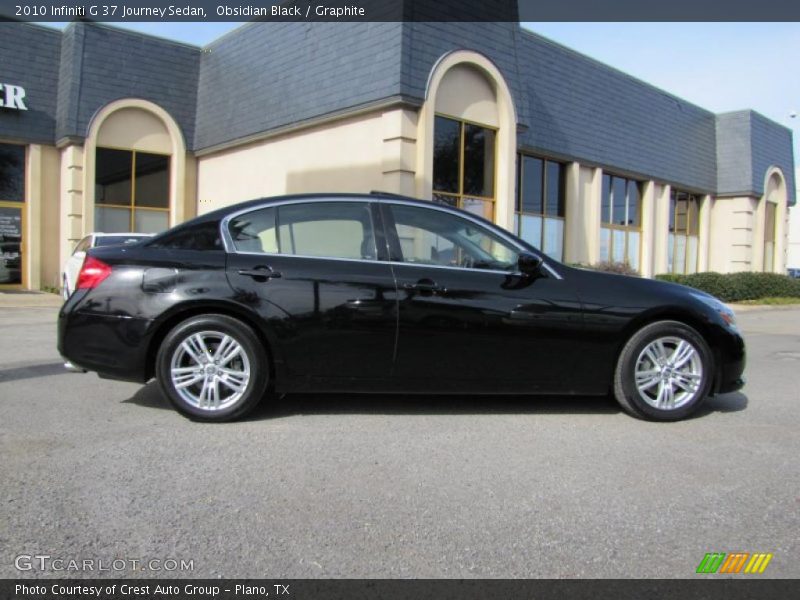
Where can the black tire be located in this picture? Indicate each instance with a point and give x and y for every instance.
(625, 388)
(252, 354)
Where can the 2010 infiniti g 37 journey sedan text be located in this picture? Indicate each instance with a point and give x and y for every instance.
(381, 293)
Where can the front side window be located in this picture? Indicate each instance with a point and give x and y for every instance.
(539, 218)
(321, 229)
(464, 165)
(433, 237)
(620, 220)
(684, 227)
(131, 191)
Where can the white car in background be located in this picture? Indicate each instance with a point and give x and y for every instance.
(72, 267)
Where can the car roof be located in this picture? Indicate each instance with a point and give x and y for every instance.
(223, 212)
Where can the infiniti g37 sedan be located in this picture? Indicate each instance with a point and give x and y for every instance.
(379, 293)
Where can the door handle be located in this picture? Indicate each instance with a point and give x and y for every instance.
(261, 272)
(425, 286)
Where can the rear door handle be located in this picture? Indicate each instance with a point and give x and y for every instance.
(426, 286)
(261, 272)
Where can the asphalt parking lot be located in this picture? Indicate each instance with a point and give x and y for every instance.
(348, 486)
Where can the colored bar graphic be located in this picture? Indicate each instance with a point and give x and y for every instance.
(734, 562)
(758, 564)
(711, 562)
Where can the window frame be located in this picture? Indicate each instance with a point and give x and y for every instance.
(460, 195)
(687, 233)
(229, 245)
(132, 207)
(395, 245)
(544, 215)
(20, 204)
(384, 234)
(626, 229)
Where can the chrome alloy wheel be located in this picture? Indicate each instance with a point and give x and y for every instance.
(669, 373)
(210, 370)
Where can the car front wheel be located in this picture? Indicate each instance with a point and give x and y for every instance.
(664, 372)
(213, 368)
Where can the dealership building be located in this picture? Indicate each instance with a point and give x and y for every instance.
(103, 129)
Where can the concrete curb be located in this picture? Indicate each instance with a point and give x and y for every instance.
(30, 300)
(739, 308)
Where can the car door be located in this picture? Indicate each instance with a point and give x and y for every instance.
(468, 319)
(311, 270)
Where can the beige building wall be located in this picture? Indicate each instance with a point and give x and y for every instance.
(731, 243)
(41, 233)
(345, 156)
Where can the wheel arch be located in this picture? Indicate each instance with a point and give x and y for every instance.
(680, 315)
(186, 311)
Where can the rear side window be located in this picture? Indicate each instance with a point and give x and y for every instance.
(319, 229)
(202, 236)
(117, 240)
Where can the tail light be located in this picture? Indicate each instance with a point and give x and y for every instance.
(92, 274)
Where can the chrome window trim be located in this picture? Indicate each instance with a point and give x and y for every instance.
(227, 241)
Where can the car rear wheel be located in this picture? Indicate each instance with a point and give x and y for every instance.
(213, 368)
(664, 372)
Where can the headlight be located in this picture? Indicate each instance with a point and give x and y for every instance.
(724, 310)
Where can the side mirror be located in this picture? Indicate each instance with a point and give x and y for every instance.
(529, 263)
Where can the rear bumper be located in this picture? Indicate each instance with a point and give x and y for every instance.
(113, 346)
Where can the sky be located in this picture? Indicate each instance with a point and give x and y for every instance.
(718, 66)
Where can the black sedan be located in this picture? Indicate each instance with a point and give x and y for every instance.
(379, 293)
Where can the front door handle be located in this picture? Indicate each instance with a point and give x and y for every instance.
(260, 273)
(425, 286)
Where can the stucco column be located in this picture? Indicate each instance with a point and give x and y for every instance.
(573, 232)
(757, 233)
(31, 235)
(398, 164)
(661, 204)
(781, 235)
(71, 199)
(704, 234)
(648, 212)
(588, 217)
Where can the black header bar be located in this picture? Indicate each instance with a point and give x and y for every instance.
(704, 587)
(398, 10)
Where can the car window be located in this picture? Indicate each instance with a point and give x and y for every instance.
(116, 240)
(83, 245)
(325, 229)
(434, 237)
(199, 236)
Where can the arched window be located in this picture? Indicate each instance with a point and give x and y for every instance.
(131, 191)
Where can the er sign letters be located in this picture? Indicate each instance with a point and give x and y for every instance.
(12, 96)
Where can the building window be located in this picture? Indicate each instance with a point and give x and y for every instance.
(684, 227)
(464, 165)
(769, 237)
(131, 191)
(539, 218)
(620, 220)
(12, 198)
